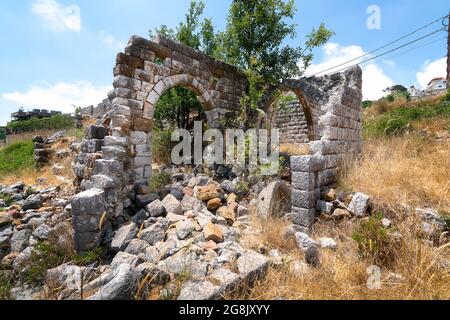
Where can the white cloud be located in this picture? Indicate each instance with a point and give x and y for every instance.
(374, 78)
(58, 17)
(430, 70)
(60, 96)
(389, 63)
(111, 42)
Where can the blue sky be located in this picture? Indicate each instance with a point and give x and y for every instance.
(56, 53)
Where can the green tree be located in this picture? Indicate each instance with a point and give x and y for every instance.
(254, 41)
(397, 91)
(2, 133)
(179, 106)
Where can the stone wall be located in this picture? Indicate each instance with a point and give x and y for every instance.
(290, 120)
(97, 112)
(115, 159)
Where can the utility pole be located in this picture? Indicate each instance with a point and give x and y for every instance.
(448, 53)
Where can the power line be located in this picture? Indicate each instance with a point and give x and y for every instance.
(385, 53)
(384, 46)
(412, 49)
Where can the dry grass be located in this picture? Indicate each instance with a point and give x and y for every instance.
(383, 106)
(33, 176)
(295, 149)
(343, 273)
(402, 170)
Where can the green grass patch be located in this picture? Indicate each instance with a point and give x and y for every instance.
(398, 121)
(16, 158)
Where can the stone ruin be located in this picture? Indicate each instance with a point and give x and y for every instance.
(116, 156)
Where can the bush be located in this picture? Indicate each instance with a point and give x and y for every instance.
(159, 181)
(57, 122)
(6, 284)
(16, 158)
(162, 145)
(373, 241)
(398, 120)
(48, 255)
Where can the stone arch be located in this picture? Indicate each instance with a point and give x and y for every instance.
(304, 104)
(180, 80)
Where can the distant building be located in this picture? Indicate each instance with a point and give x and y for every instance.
(22, 115)
(436, 87)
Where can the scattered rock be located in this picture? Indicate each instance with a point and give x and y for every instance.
(312, 256)
(386, 223)
(330, 195)
(207, 193)
(5, 219)
(156, 209)
(327, 243)
(137, 246)
(213, 232)
(214, 204)
(185, 229)
(359, 204)
(120, 287)
(228, 214)
(42, 232)
(277, 193)
(154, 233)
(32, 202)
(304, 242)
(172, 205)
(123, 237)
(252, 266)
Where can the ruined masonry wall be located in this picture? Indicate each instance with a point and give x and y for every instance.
(115, 158)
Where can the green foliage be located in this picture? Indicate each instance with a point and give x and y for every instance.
(373, 240)
(57, 122)
(397, 121)
(47, 255)
(367, 104)
(447, 96)
(253, 41)
(6, 284)
(162, 145)
(192, 31)
(92, 256)
(16, 158)
(2, 133)
(396, 91)
(6, 198)
(159, 181)
(178, 108)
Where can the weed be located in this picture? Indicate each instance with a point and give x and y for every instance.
(159, 181)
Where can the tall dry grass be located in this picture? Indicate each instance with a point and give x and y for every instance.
(409, 170)
(343, 274)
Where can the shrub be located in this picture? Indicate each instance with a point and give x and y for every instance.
(16, 158)
(57, 122)
(48, 255)
(159, 181)
(373, 241)
(162, 145)
(6, 284)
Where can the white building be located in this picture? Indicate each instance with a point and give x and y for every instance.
(437, 86)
